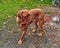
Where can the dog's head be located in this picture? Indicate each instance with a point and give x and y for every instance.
(23, 13)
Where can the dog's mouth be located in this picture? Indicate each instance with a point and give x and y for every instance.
(23, 24)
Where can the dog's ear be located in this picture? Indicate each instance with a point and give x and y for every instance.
(25, 13)
(20, 13)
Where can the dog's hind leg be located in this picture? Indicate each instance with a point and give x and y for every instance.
(36, 26)
(41, 23)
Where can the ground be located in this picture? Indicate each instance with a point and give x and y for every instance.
(10, 34)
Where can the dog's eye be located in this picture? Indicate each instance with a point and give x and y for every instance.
(28, 15)
(19, 17)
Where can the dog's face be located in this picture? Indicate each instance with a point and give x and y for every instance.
(23, 18)
(23, 13)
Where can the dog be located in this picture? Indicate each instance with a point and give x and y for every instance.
(26, 17)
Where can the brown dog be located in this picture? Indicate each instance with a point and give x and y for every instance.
(26, 17)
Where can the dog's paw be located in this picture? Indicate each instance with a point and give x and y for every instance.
(40, 34)
(20, 42)
(34, 30)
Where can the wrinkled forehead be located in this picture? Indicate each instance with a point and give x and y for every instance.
(22, 11)
(25, 12)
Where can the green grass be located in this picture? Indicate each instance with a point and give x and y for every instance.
(9, 8)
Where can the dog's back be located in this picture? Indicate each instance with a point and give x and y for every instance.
(37, 13)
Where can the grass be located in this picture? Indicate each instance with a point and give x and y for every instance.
(9, 8)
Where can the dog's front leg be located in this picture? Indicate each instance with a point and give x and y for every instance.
(22, 37)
